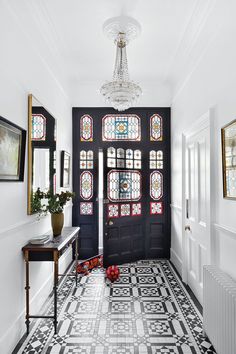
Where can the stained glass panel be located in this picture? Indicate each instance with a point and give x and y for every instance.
(156, 208)
(86, 128)
(117, 127)
(120, 163)
(136, 209)
(86, 160)
(129, 164)
(156, 185)
(120, 153)
(111, 162)
(156, 128)
(111, 152)
(86, 185)
(113, 210)
(125, 210)
(123, 185)
(129, 154)
(137, 155)
(38, 127)
(86, 208)
(137, 164)
(156, 159)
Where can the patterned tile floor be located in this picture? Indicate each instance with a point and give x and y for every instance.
(147, 311)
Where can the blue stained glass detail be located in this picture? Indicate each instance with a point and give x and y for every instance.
(116, 127)
(123, 185)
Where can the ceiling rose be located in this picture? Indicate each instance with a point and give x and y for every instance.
(121, 92)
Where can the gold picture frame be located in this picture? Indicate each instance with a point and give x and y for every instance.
(228, 143)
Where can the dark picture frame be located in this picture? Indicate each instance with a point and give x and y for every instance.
(12, 151)
(65, 169)
(228, 143)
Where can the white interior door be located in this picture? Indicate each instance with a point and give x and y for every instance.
(197, 219)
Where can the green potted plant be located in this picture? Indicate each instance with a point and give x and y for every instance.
(54, 205)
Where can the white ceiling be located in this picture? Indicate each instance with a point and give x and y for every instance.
(68, 35)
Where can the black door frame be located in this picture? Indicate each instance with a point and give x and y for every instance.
(89, 224)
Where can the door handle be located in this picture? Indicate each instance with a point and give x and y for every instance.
(110, 222)
(187, 228)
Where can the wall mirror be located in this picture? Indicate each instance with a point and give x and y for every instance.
(41, 150)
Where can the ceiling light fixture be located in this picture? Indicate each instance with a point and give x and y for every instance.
(121, 92)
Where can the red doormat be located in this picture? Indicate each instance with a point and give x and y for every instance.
(87, 265)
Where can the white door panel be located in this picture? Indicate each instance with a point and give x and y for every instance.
(198, 206)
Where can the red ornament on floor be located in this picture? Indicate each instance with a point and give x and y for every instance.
(113, 273)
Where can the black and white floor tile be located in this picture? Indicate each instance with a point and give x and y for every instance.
(147, 311)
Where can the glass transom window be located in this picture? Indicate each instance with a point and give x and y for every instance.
(117, 127)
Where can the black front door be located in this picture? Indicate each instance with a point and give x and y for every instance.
(136, 213)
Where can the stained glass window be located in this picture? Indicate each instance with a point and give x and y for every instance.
(121, 158)
(156, 185)
(86, 208)
(86, 185)
(156, 208)
(156, 159)
(136, 209)
(123, 185)
(86, 128)
(86, 160)
(156, 128)
(38, 127)
(117, 127)
(113, 210)
(125, 210)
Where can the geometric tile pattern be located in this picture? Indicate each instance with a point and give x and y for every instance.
(147, 311)
(113, 210)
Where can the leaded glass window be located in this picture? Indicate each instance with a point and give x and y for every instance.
(86, 128)
(86, 208)
(38, 127)
(118, 127)
(156, 185)
(156, 128)
(156, 208)
(123, 185)
(136, 209)
(86, 160)
(121, 158)
(113, 210)
(156, 159)
(125, 210)
(86, 185)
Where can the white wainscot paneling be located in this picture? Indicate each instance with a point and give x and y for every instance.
(225, 248)
(176, 237)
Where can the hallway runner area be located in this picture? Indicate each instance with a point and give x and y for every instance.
(147, 311)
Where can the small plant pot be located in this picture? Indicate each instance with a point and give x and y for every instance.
(57, 222)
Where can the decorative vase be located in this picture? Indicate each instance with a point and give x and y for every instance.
(57, 221)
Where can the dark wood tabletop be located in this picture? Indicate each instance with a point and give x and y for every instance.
(56, 243)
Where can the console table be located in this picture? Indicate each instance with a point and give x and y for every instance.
(51, 251)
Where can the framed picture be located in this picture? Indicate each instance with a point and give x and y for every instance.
(65, 169)
(228, 138)
(12, 151)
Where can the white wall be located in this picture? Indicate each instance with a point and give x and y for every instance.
(210, 82)
(22, 71)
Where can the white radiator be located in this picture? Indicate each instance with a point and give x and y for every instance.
(219, 309)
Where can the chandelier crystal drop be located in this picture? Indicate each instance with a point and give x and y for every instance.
(121, 92)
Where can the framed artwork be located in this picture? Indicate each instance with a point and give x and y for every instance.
(65, 169)
(228, 139)
(12, 151)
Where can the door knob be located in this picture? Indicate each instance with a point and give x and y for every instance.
(187, 228)
(110, 222)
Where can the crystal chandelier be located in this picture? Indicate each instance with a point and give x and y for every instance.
(121, 93)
